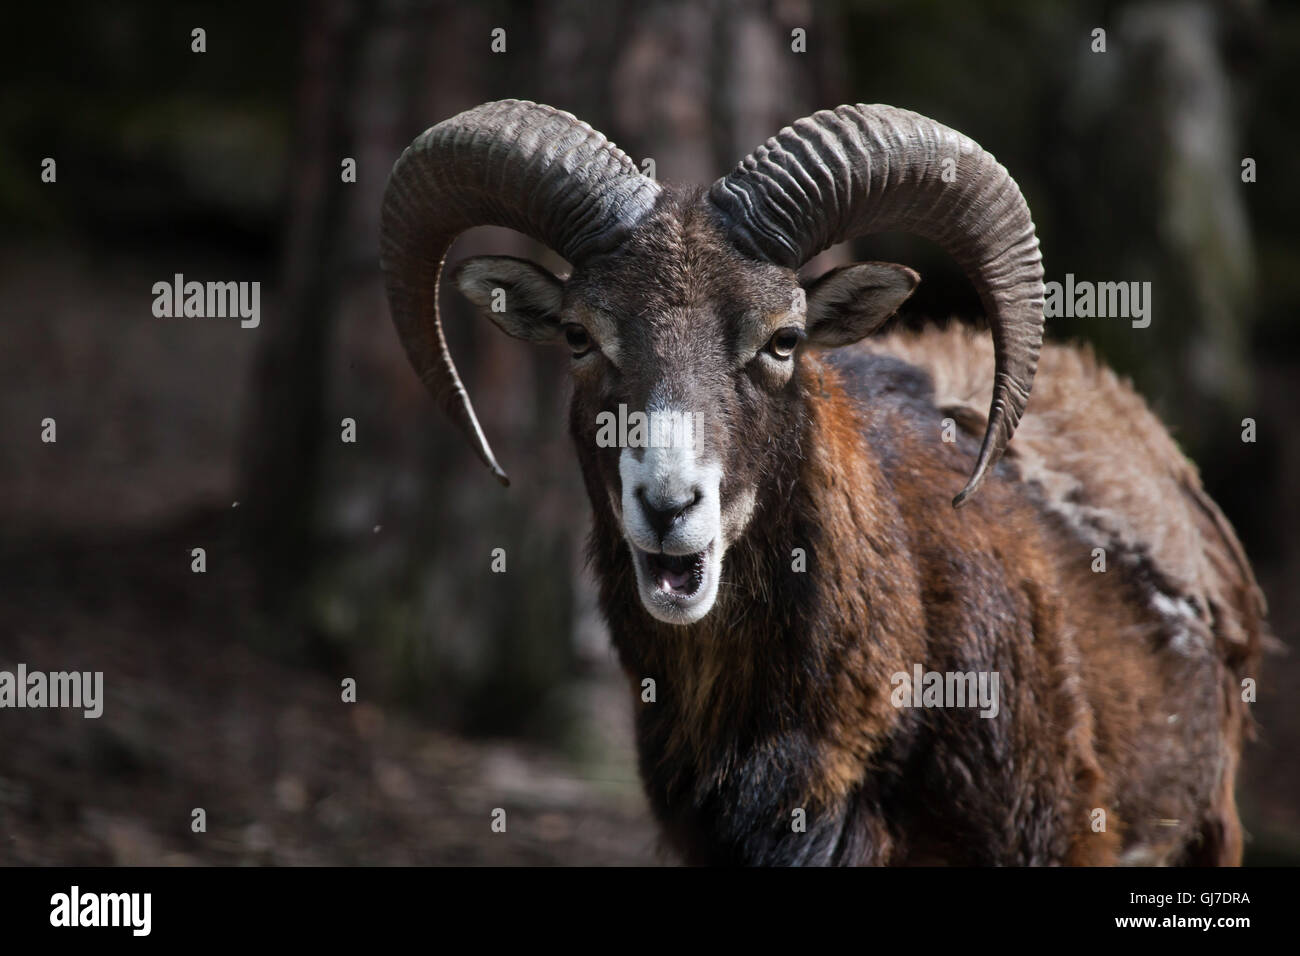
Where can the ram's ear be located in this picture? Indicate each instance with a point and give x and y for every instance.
(521, 297)
(849, 303)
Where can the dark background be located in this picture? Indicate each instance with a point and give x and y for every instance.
(328, 560)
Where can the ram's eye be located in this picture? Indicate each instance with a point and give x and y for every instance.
(578, 340)
(783, 343)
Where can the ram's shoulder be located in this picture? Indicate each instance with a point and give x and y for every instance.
(1097, 455)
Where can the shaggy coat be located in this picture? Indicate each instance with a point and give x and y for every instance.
(1120, 689)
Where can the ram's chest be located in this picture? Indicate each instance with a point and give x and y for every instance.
(732, 772)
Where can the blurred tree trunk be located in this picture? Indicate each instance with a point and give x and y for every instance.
(1157, 118)
(283, 427)
(409, 517)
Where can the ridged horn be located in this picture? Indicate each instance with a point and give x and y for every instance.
(510, 163)
(856, 170)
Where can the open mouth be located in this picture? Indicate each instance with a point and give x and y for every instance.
(677, 588)
(676, 575)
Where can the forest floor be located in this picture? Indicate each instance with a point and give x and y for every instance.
(285, 771)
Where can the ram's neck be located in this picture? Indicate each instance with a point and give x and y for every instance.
(781, 693)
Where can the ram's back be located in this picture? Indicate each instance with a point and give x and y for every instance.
(1100, 458)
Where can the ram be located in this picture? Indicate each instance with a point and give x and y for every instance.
(784, 574)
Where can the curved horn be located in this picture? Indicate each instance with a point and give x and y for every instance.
(510, 163)
(844, 173)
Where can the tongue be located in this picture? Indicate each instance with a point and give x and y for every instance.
(674, 580)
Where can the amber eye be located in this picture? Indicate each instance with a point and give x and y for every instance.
(784, 342)
(578, 339)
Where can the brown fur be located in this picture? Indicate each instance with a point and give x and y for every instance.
(1120, 690)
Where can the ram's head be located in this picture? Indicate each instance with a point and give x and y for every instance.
(684, 313)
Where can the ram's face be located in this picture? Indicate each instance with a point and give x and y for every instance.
(685, 360)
